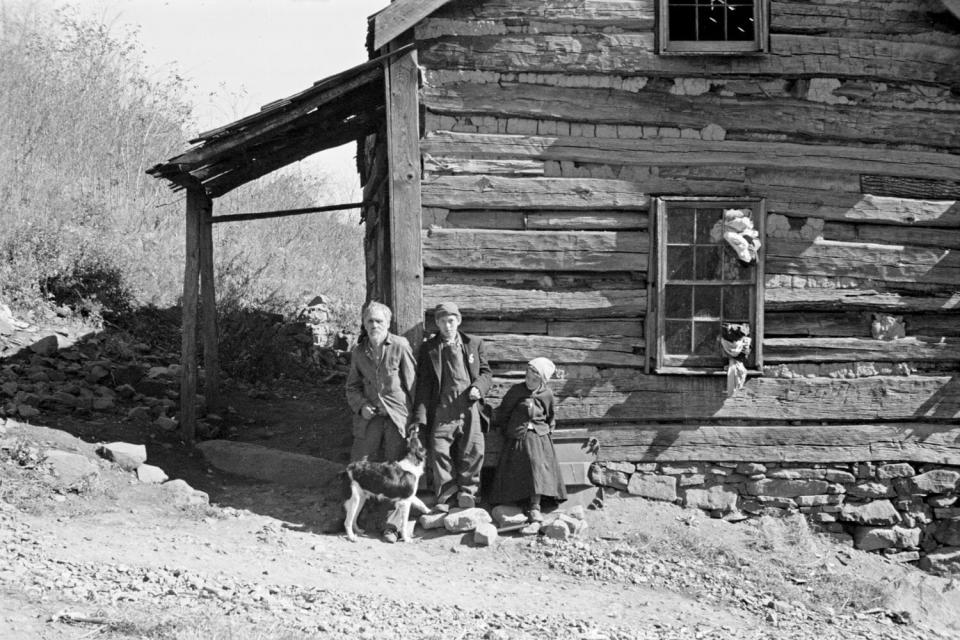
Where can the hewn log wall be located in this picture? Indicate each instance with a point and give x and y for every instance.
(550, 126)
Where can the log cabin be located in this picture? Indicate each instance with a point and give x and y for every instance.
(565, 170)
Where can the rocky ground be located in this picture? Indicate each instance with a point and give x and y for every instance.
(90, 550)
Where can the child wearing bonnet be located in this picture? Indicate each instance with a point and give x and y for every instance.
(528, 469)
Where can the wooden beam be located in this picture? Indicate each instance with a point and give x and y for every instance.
(535, 250)
(481, 301)
(238, 217)
(629, 395)
(403, 149)
(860, 349)
(694, 152)
(208, 313)
(936, 443)
(493, 192)
(809, 299)
(607, 351)
(197, 203)
(399, 17)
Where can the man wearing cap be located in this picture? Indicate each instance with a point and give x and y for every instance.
(452, 377)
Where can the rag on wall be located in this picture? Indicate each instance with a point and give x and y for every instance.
(736, 370)
(736, 228)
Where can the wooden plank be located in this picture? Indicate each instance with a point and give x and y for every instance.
(461, 18)
(473, 192)
(208, 302)
(482, 326)
(595, 328)
(535, 250)
(789, 55)
(886, 263)
(608, 352)
(400, 16)
(654, 106)
(692, 152)
(890, 234)
(908, 442)
(535, 220)
(237, 217)
(504, 167)
(629, 395)
(197, 200)
(403, 140)
(586, 221)
(786, 299)
(910, 349)
(809, 202)
(500, 302)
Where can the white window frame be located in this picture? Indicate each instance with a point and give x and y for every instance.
(656, 287)
(759, 44)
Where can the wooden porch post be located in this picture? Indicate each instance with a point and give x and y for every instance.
(208, 303)
(403, 152)
(197, 201)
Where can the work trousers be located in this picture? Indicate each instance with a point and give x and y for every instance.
(457, 447)
(379, 441)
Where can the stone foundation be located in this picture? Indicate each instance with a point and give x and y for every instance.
(908, 512)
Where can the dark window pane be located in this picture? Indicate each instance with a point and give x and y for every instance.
(708, 263)
(705, 336)
(711, 21)
(679, 263)
(678, 301)
(683, 24)
(706, 219)
(677, 338)
(731, 266)
(706, 302)
(680, 226)
(740, 21)
(736, 303)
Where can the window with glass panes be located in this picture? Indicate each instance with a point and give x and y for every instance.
(701, 283)
(712, 26)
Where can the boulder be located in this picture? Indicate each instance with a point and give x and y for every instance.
(945, 560)
(891, 471)
(182, 494)
(871, 490)
(947, 532)
(653, 487)
(935, 481)
(70, 468)
(270, 465)
(128, 456)
(46, 346)
(876, 513)
(791, 488)
(461, 521)
(717, 498)
(149, 474)
(485, 534)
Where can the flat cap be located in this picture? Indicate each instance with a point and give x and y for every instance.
(446, 309)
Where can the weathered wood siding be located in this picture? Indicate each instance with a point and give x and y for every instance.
(550, 125)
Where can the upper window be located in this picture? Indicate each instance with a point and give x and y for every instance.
(707, 282)
(712, 26)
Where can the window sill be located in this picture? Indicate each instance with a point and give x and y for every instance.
(689, 371)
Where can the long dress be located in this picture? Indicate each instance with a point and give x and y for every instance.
(531, 467)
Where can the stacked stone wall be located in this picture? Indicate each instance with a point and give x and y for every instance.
(908, 512)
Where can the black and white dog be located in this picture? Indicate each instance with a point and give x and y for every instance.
(396, 481)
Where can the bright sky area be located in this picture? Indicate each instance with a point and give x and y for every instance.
(242, 54)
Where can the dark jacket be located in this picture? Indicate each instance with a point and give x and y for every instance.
(522, 410)
(427, 396)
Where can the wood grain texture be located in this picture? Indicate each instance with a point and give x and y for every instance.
(882, 262)
(908, 349)
(694, 152)
(786, 299)
(484, 301)
(906, 441)
(197, 201)
(535, 250)
(607, 351)
(403, 160)
(618, 394)
(868, 58)
(208, 311)
(652, 106)
(472, 192)
(400, 16)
